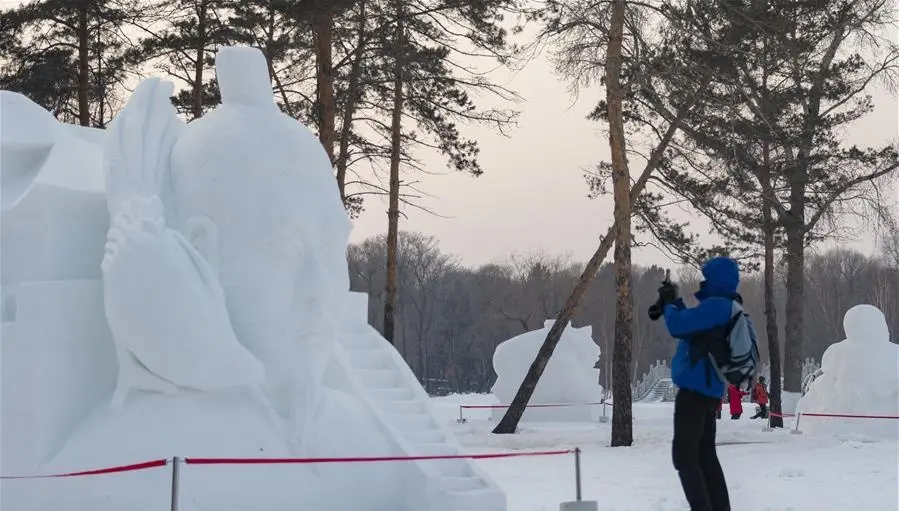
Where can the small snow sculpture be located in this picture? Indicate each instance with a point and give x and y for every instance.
(569, 377)
(859, 376)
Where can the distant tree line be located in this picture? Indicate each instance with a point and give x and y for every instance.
(451, 317)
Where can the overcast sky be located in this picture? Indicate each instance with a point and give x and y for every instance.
(532, 195)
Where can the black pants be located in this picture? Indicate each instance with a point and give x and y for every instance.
(693, 452)
(763, 412)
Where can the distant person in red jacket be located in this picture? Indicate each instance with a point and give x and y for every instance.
(735, 399)
(761, 399)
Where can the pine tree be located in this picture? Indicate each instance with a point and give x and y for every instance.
(184, 49)
(68, 56)
(417, 82)
(579, 31)
(787, 78)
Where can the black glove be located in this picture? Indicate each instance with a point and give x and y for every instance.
(667, 293)
(656, 310)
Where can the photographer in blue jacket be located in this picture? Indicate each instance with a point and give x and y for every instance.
(700, 383)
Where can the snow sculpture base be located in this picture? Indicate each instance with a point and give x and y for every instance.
(579, 505)
(57, 364)
(859, 377)
(568, 379)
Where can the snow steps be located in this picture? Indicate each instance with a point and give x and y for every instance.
(394, 392)
(658, 391)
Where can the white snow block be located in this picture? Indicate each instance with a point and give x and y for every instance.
(579, 505)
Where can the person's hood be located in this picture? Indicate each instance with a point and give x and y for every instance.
(722, 277)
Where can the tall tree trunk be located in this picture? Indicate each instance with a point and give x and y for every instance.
(324, 77)
(200, 49)
(352, 99)
(101, 86)
(795, 232)
(84, 114)
(622, 420)
(393, 209)
(770, 305)
(509, 423)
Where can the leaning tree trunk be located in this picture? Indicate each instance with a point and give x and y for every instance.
(84, 114)
(774, 393)
(509, 423)
(393, 209)
(622, 420)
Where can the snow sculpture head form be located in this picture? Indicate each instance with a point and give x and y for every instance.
(859, 376)
(262, 207)
(867, 324)
(569, 377)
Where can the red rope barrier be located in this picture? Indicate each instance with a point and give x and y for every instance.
(848, 416)
(268, 461)
(781, 415)
(547, 405)
(109, 470)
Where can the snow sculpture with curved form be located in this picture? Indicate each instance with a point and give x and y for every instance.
(569, 377)
(858, 377)
(226, 296)
(24, 147)
(164, 305)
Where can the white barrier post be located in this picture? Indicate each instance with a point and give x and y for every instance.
(578, 504)
(795, 430)
(176, 469)
(604, 418)
(461, 419)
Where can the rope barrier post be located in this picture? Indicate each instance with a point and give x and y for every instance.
(603, 419)
(176, 469)
(578, 504)
(461, 419)
(577, 473)
(795, 430)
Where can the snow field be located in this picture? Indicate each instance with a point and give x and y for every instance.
(766, 471)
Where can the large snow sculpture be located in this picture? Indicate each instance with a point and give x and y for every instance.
(216, 323)
(569, 377)
(859, 376)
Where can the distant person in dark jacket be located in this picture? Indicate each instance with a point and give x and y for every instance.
(700, 389)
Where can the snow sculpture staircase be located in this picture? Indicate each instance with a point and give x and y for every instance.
(383, 379)
(659, 390)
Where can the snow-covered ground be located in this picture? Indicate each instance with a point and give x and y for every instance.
(766, 471)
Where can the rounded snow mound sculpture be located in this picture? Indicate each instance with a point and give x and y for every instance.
(569, 378)
(859, 376)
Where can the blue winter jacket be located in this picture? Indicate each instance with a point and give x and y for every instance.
(716, 295)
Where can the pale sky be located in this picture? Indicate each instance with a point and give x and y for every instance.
(532, 195)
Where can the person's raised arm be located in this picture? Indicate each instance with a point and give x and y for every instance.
(683, 323)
